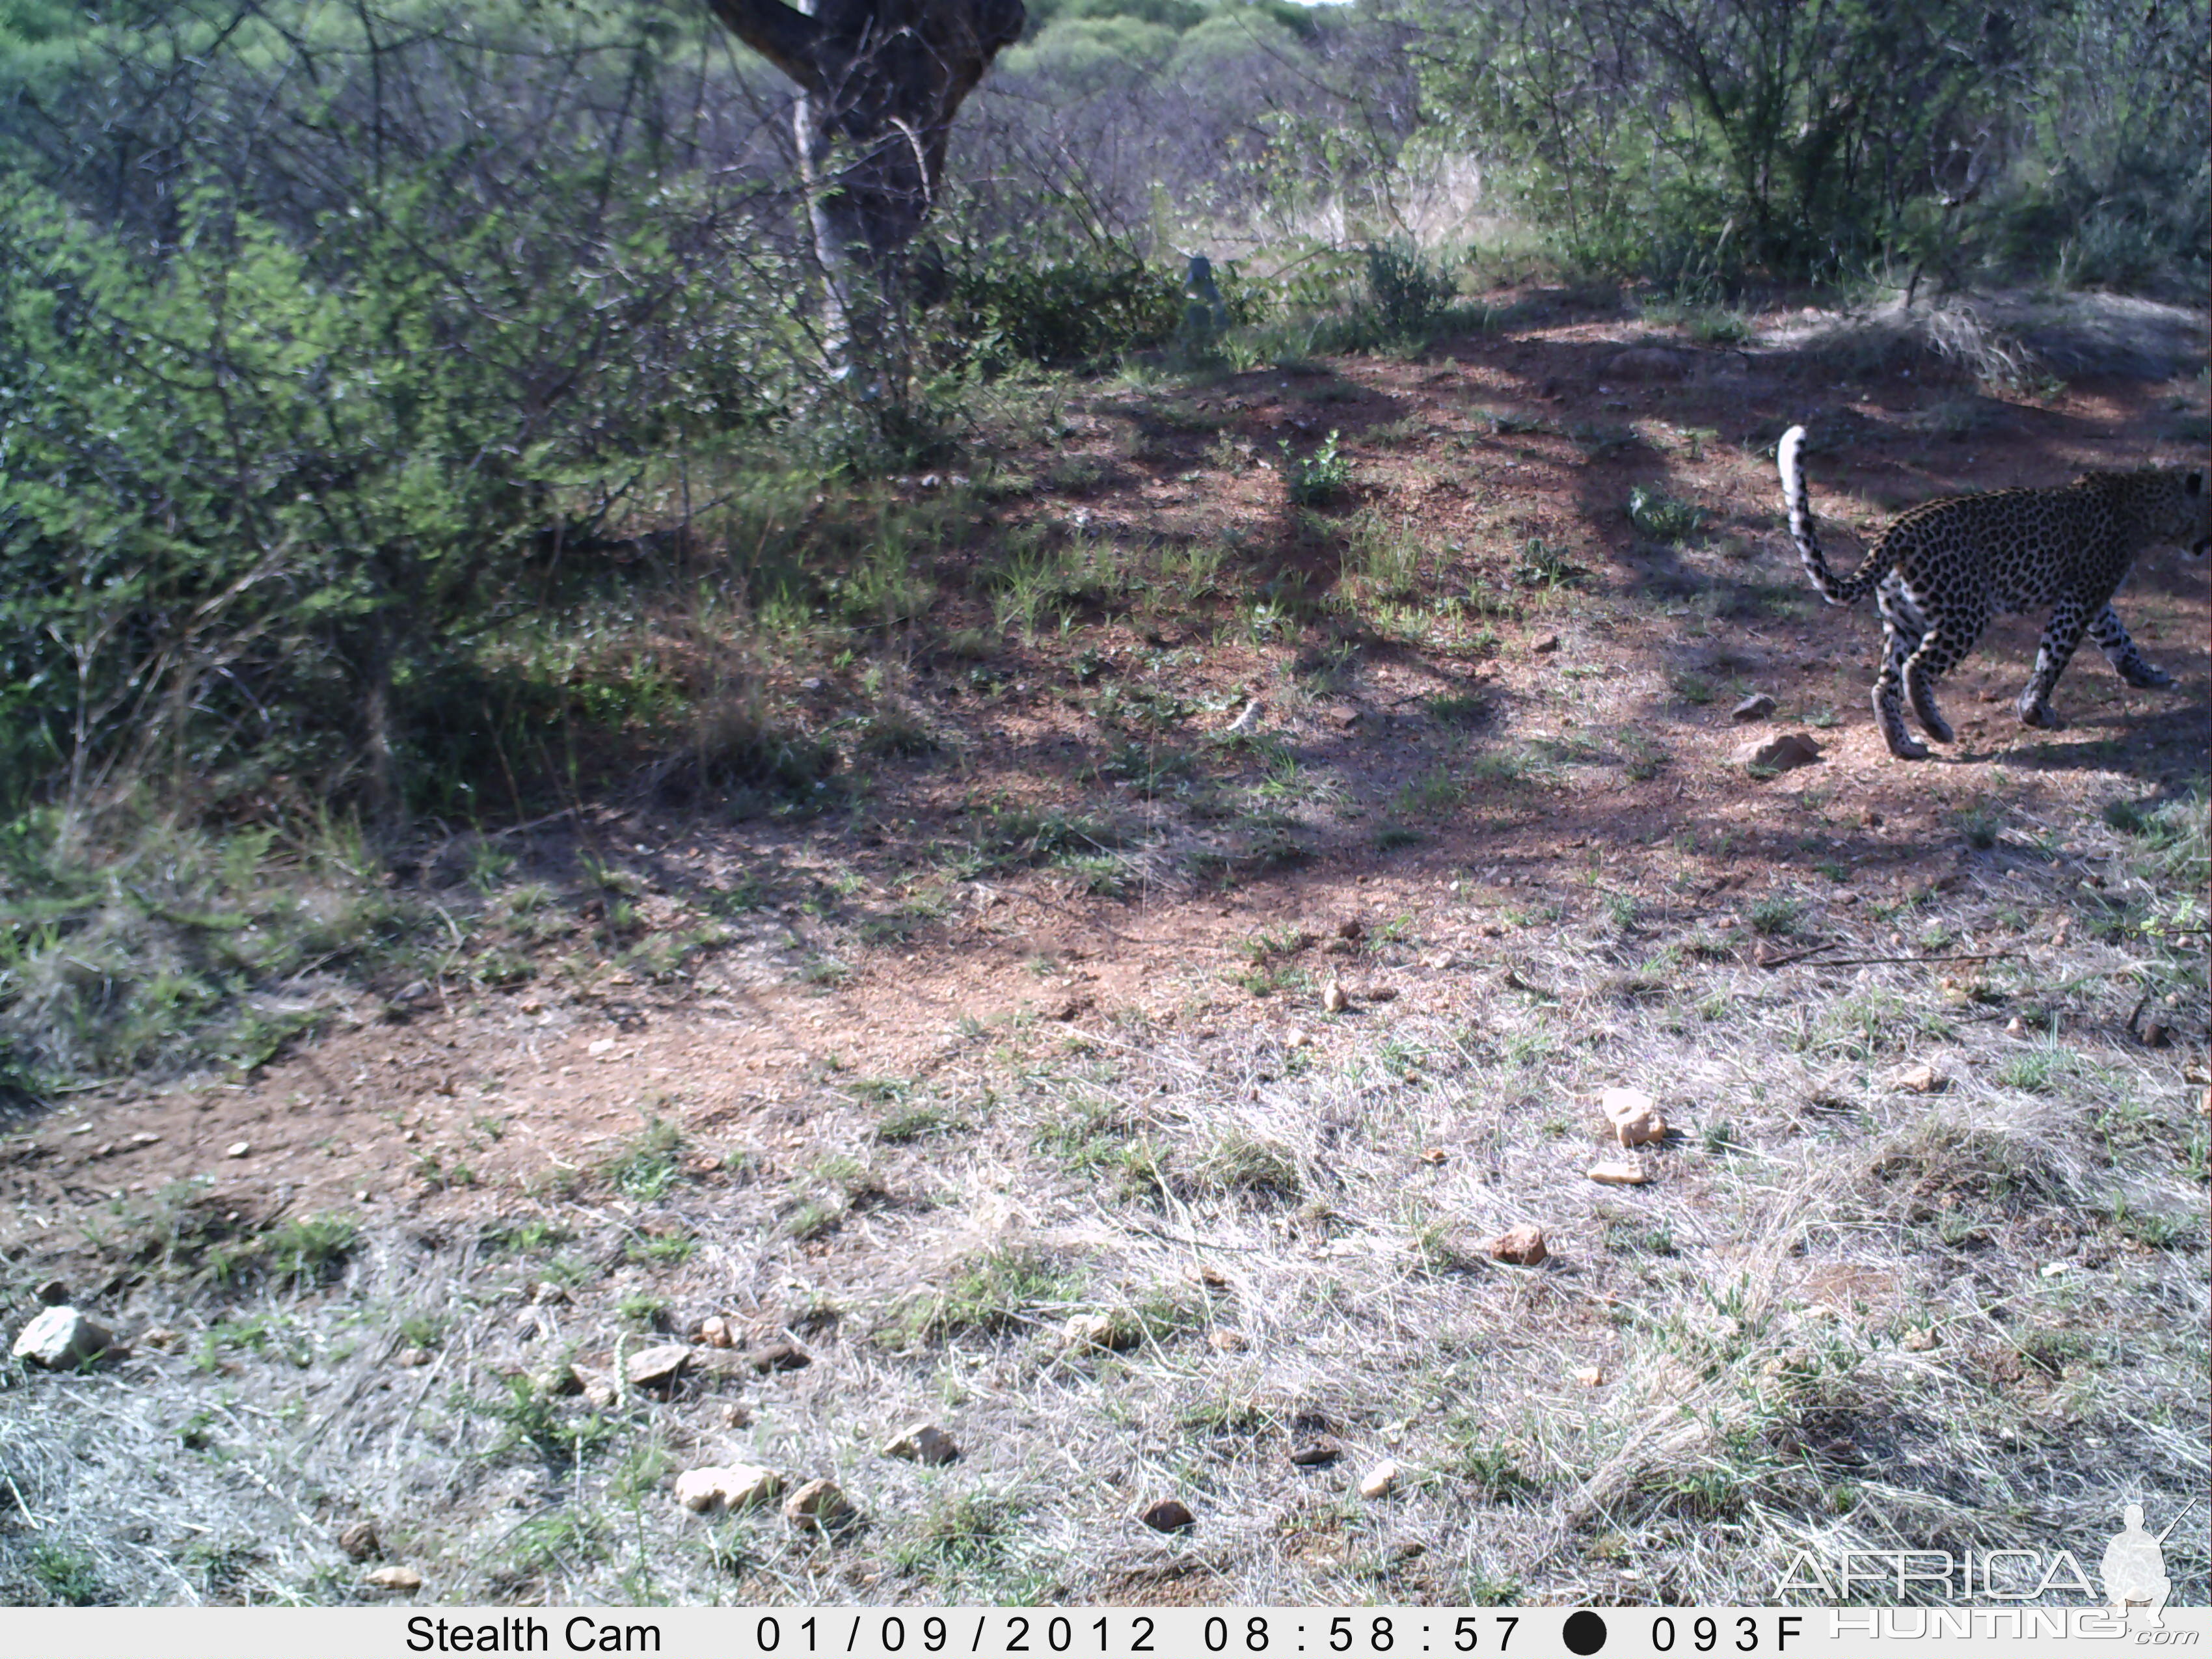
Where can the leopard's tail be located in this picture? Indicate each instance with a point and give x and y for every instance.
(1836, 590)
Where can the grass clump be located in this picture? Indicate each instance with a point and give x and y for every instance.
(1661, 517)
(648, 1168)
(998, 1291)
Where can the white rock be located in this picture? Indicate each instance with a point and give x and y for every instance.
(1378, 1481)
(61, 1338)
(922, 1443)
(1619, 1174)
(1635, 1120)
(657, 1366)
(238, 1149)
(732, 1486)
(396, 1578)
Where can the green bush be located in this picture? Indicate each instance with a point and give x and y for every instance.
(1071, 313)
(1408, 293)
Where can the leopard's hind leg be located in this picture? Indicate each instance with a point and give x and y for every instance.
(1902, 627)
(2119, 650)
(1940, 649)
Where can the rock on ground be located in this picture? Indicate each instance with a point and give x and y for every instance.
(1783, 754)
(1378, 1481)
(1522, 1246)
(922, 1443)
(732, 1486)
(61, 1338)
(1634, 1118)
(656, 1367)
(818, 1505)
(1619, 1174)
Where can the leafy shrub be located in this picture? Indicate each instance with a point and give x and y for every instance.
(1315, 480)
(1407, 292)
(1072, 313)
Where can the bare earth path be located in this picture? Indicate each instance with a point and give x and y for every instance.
(1497, 802)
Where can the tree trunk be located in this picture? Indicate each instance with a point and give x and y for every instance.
(879, 83)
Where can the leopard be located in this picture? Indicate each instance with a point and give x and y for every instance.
(1942, 570)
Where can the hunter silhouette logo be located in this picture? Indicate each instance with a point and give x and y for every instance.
(2135, 1567)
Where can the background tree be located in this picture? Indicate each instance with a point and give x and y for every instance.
(879, 83)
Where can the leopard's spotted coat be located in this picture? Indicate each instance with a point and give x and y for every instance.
(1943, 570)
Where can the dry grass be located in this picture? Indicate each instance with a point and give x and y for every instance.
(1841, 1316)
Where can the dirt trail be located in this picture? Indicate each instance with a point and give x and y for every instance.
(466, 1094)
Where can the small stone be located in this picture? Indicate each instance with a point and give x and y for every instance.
(1378, 1481)
(1316, 1454)
(1619, 1174)
(1522, 1246)
(1919, 1342)
(547, 1291)
(237, 1149)
(1781, 754)
(1227, 1341)
(52, 1293)
(1635, 1120)
(1211, 1276)
(1351, 929)
(1167, 1514)
(1921, 1080)
(359, 1540)
(1297, 1040)
(1093, 1331)
(715, 1331)
(61, 1338)
(2155, 1034)
(922, 1443)
(408, 1359)
(656, 1367)
(1333, 999)
(1756, 706)
(159, 1337)
(778, 1356)
(732, 1486)
(1589, 1377)
(818, 1506)
(2015, 1026)
(1545, 647)
(599, 1392)
(532, 1005)
(599, 1046)
(395, 1578)
(1435, 1155)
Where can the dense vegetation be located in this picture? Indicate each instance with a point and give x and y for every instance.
(347, 355)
